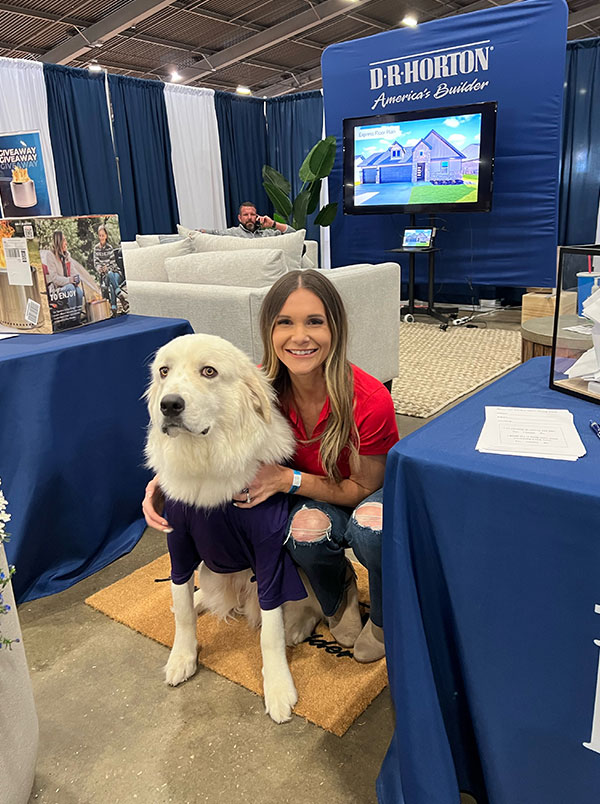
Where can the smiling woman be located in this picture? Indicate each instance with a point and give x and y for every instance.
(344, 423)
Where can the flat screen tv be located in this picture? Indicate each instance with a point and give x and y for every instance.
(425, 160)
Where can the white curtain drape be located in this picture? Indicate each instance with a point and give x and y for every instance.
(23, 107)
(196, 156)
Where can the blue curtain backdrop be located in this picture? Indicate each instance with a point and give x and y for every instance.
(143, 147)
(84, 159)
(580, 155)
(294, 124)
(243, 141)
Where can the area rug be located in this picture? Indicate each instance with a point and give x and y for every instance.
(437, 367)
(333, 689)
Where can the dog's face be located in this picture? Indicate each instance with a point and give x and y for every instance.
(194, 380)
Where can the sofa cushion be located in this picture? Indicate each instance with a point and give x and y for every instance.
(291, 244)
(250, 268)
(149, 263)
(156, 239)
(306, 262)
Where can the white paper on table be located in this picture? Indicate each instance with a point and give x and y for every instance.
(530, 432)
(591, 306)
(580, 329)
(584, 365)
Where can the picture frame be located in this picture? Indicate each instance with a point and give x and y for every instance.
(575, 351)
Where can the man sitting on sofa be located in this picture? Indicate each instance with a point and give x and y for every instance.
(252, 225)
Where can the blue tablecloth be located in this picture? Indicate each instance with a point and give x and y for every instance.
(491, 575)
(71, 446)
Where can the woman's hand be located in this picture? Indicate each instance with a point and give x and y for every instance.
(152, 506)
(270, 479)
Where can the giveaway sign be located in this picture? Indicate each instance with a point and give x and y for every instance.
(23, 188)
(485, 56)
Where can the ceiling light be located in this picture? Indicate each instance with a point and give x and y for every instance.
(175, 76)
(94, 67)
(243, 90)
(410, 21)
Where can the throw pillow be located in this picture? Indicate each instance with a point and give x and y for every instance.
(156, 239)
(306, 262)
(148, 264)
(248, 268)
(291, 244)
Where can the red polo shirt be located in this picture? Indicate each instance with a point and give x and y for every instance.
(375, 420)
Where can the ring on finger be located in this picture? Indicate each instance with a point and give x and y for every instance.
(248, 497)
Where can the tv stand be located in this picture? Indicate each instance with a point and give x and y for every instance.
(440, 313)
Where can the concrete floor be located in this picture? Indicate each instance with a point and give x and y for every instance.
(111, 731)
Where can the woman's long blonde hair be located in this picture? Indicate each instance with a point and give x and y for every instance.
(340, 430)
(57, 241)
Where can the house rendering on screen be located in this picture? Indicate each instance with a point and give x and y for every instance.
(433, 159)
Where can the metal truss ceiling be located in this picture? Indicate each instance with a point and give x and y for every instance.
(272, 46)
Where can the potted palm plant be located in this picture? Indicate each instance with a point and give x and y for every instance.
(316, 167)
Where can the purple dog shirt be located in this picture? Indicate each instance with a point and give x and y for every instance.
(230, 539)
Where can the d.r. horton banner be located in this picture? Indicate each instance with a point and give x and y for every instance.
(514, 55)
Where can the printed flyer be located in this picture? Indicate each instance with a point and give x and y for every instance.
(60, 273)
(23, 187)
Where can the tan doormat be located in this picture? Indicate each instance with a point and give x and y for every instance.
(437, 368)
(333, 689)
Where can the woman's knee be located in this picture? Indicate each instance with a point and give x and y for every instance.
(369, 515)
(310, 525)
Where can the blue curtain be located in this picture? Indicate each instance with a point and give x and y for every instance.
(143, 147)
(84, 158)
(294, 124)
(580, 158)
(243, 140)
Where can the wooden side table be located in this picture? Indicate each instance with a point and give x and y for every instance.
(536, 337)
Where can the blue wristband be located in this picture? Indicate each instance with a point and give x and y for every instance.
(296, 482)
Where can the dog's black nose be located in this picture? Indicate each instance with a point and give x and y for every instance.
(172, 405)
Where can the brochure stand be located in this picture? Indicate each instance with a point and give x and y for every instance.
(443, 314)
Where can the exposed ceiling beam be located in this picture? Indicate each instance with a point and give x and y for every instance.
(104, 30)
(585, 15)
(15, 46)
(236, 22)
(297, 83)
(479, 5)
(44, 15)
(272, 36)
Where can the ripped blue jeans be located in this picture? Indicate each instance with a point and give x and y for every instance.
(321, 553)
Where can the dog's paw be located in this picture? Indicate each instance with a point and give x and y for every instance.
(180, 667)
(280, 695)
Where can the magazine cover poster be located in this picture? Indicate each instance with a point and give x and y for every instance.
(23, 188)
(60, 273)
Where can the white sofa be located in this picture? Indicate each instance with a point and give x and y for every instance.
(371, 295)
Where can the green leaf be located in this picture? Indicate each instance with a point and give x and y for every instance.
(319, 160)
(274, 177)
(279, 218)
(281, 202)
(326, 215)
(299, 209)
(314, 188)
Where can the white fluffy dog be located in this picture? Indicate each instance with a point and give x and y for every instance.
(213, 422)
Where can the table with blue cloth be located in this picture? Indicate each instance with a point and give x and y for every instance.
(492, 610)
(71, 447)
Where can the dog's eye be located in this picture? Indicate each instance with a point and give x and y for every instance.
(208, 371)
(163, 371)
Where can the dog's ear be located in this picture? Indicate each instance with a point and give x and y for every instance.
(260, 398)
